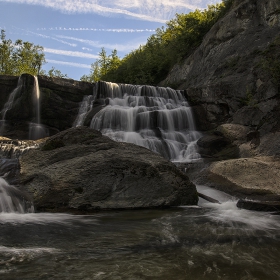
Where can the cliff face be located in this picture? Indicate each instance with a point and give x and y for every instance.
(233, 82)
(233, 76)
(59, 103)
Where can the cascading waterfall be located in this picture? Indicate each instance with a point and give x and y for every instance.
(9, 104)
(157, 118)
(85, 107)
(37, 130)
(13, 200)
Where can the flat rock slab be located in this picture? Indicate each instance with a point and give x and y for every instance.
(258, 176)
(79, 169)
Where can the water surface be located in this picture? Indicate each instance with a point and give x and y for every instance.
(210, 241)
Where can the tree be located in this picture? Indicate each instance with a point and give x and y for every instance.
(103, 68)
(20, 57)
(150, 64)
(6, 51)
(94, 75)
(56, 73)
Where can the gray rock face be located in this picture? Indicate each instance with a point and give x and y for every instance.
(230, 70)
(59, 103)
(79, 169)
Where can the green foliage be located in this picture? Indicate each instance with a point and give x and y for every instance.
(150, 64)
(54, 73)
(249, 100)
(104, 66)
(20, 57)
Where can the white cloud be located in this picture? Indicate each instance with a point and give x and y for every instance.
(97, 44)
(149, 10)
(70, 53)
(86, 49)
(117, 30)
(53, 38)
(73, 64)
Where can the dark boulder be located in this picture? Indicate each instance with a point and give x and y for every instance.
(267, 206)
(79, 169)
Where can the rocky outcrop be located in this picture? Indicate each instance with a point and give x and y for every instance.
(59, 103)
(79, 169)
(233, 75)
(256, 178)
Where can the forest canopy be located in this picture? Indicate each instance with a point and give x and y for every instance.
(150, 64)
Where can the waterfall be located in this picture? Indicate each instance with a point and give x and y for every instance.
(13, 200)
(85, 107)
(157, 118)
(9, 104)
(37, 130)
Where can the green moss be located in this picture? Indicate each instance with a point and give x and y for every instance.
(249, 100)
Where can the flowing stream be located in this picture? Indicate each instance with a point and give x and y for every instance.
(210, 241)
(157, 118)
(9, 104)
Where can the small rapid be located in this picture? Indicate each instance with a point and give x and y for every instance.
(12, 200)
(227, 212)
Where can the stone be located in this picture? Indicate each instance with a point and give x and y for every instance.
(59, 103)
(79, 169)
(255, 178)
(268, 206)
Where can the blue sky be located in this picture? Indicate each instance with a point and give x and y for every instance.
(73, 32)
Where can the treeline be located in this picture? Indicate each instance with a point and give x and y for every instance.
(21, 57)
(150, 64)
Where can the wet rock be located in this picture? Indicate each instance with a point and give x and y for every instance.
(268, 206)
(59, 103)
(79, 169)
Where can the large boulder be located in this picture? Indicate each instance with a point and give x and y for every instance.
(254, 178)
(79, 169)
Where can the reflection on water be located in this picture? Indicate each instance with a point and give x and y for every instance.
(212, 241)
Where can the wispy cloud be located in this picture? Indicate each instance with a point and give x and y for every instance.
(52, 38)
(149, 10)
(118, 30)
(73, 64)
(70, 53)
(97, 44)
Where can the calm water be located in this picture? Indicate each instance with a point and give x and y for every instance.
(205, 242)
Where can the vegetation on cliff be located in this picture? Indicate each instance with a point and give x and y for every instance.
(149, 64)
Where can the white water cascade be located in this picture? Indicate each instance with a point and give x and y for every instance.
(36, 129)
(13, 200)
(9, 104)
(85, 107)
(157, 118)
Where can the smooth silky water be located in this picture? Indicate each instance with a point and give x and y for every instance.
(208, 241)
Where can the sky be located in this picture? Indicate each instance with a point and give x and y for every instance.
(73, 32)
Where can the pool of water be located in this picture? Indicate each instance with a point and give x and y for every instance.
(209, 241)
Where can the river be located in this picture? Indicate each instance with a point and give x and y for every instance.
(208, 241)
